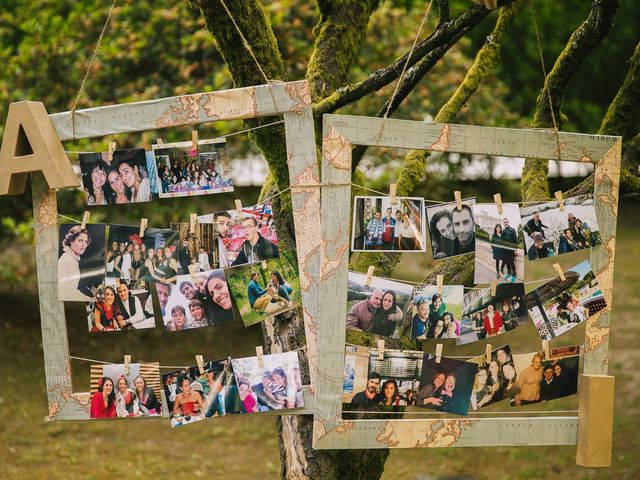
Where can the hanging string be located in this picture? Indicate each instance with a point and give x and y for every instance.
(86, 75)
(470, 414)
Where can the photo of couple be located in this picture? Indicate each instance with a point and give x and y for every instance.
(127, 178)
(553, 231)
(378, 306)
(494, 379)
(446, 386)
(436, 315)
(120, 305)
(388, 224)
(451, 229)
(184, 170)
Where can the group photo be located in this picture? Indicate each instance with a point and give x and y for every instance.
(184, 170)
(244, 236)
(388, 224)
(451, 229)
(560, 305)
(272, 382)
(377, 306)
(445, 385)
(118, 393)
(198, 249)
(499, 243)
(494, 380)
(550, 230)
(436, 314)
(267, 288)
(120, 305)
(485, 315)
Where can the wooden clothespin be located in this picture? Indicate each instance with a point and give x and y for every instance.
(392, 192)
(438, 352)
(494, 287)
(260, 357)
(263, 264)
(458, 196)
(545, 349)
(560, 199)
(487, 353)
(159, 141)
(85, 219)
(558, 269)
(200, 363)
(193, 270)
(143, 227)
(238, 206)
(370, 271)
(440, 283)
(498, 199)
(127, 364)
(380, 349)
(110, 149)
(194, 140)
(193, 221)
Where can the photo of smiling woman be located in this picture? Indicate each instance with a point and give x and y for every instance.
(217, 290)
(80, 261)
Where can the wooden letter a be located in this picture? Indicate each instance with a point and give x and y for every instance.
(31, 144)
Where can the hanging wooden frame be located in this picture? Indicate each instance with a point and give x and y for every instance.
(292, 100)
(591, 429)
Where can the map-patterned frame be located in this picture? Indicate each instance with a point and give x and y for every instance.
(292, 100)
(340, 133)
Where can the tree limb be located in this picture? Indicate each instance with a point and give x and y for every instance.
(443, 6)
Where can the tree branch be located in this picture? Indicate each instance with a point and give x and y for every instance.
(443, 6)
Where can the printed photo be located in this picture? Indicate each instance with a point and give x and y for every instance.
(558, 306)
(152, 258)
(374, 384)
(118, 394)
(121, 305)
(270, 383)
(446, 386)
(550, 231)
(499, 243)
(540, 379)
(485, 316)
(193, 396)
(380, 307)
(379, 224)
(436, 315)
(198, 248)
(80, 261)
(451, 230)
(184, 171)
(196, 301)
(266, 288)
(246, 236)
(490, 383)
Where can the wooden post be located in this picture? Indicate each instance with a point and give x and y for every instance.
(595, 420)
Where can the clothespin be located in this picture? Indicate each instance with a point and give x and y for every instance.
(158, 141)
(238, 206)
(487, 353)
(558, 269)
(111, 148)
(370, 271)
(392, 191)
(263, 264)
(439, 283)
(558, 195)
(458, 196)
(380, 349)
(494, 287)
(193, 220)
(193, 270)
(545, 349)
(438, 352)
(85, 219)
(194, 140)
(127, 364)
(200, 363)
(143, 227)
(260, 356)
(498, 199)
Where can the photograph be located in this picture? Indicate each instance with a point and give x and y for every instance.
(485, 315)
(490, 383)
(121, 305)
(549, 230)
(196, 301)
(380, 307)
(266, 288)
(386, 226)
(378, 384)
(198, 248)
(446, 386)
(246, 236)
(559, 305)
(271, 382)
(184, 170)
(451, 230)
(536, 378)
(436, 315)
(118, 394)
(80, 261)
(193, 396)
(499, 243)
(152, 258)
